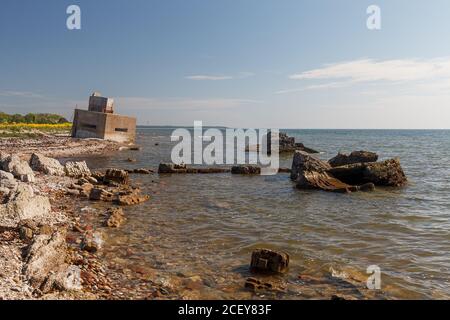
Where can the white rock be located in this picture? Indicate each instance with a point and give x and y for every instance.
(23, 204)
(46, 165)
(6, 175)
(19, 168)
(77, 169)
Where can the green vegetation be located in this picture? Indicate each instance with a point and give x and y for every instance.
(36, 118)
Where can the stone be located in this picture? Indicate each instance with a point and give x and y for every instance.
(117, 175)
(303, 161)
(142, 171)
(23, 204)
(91, 242)
(245, 169)
(171, 168)
(19, 168)
(343, 159)
(386, 173)
(6, 175)
(26, 233)
(323, 181)
(45, 258)
(257, 285)
(287, 144)
(131, 199)
(266, 260)
(86, 189)
(115, 217)
(131, 160)
(46, 165)
(77, 169)
(98, 194)
(92, 180)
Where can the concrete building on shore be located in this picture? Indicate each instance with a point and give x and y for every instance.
(100, 121)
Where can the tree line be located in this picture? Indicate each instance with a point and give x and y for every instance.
(40, 118)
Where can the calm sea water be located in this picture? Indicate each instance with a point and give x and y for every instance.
(207, 225)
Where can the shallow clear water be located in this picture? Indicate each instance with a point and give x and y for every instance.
(208, 224)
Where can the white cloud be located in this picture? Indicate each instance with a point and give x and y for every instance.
(208, 77)
(435, 72)
(181, 103)
(21, 94)
(203, 77)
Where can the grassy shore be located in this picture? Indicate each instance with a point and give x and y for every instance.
(30, 130)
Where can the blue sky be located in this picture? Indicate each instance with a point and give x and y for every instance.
(248, 63)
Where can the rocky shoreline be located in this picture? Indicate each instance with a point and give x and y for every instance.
(49, 245)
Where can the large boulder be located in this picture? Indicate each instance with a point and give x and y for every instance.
(386, 173)
(46, 165)
(343, 159)
(19, 168)
(303, 161)
(45, 262)
(77, 169)
(23, 204)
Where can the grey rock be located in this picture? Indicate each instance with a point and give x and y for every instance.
(77, 169)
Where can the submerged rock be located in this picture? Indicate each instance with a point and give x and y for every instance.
(115, 217)
(343, 159)
(305, 162)
(116, 175)
(323, 181)
(266, 260)
(46, 165)
(171, 168)
(245, 169)
(386, 173)
(77, 169)
(98, 194)
(131, 199)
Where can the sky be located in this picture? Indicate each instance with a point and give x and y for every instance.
(246, 63)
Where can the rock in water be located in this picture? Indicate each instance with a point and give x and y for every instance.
(266, 260)
(246, 170)
(386, 173)
(303, 161)
(77, 169)
(116, 175)
(343, 159)
(46, 165)
(45, 259)
(115, 217)
(98, 194)
(171, 168)
(131, 199)
(19, 168)
(23, 204)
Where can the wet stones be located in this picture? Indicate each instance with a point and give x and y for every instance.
(342, 159)
(131, 199)
(46, 165)
(116, 175)
(91, 242)
(77, 169)
(266, 260)
(142, 171)
(245, 169)
(115, 217)
(98, 194)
